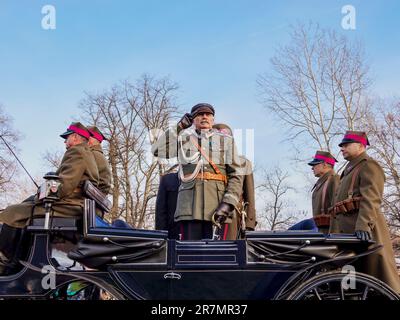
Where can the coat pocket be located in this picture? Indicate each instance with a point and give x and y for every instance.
(347, 222)
(186, 199)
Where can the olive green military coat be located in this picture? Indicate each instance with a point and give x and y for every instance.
(248, 197)
(369, 184)
(104, 169)
(198, 199)
(317, 195)
(77, 166)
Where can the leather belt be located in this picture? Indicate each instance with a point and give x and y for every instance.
(211, 176)
(348, 206)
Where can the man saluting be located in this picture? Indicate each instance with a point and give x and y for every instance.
(209, 172)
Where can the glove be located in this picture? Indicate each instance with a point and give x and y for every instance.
(363, 235)
(223, 212)
(185, 122)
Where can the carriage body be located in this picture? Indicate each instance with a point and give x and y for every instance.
(143, 264)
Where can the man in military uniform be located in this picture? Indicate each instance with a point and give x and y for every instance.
(209, 171)
(325, 188)
(95, 140)
(77, 166)
(244, 218)
(357, 207)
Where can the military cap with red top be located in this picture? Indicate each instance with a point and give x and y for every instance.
(224, 128)
(78, 128)
(323, 156)
(355, 137)
(96, 133)
(202, 108)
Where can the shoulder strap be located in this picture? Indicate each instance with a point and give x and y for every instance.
(353, 179)
(323, 209)
(205, 155)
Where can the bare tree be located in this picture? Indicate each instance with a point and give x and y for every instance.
(317, 86)
(126, 114)
(52, 159)
(383, 127)
(8, 166)
(102, 110)
(277, 212)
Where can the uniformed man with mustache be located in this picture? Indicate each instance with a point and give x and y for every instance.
(209, 170)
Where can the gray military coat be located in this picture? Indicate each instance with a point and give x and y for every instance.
(247, 200)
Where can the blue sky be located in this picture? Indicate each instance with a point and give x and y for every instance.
(212, 49)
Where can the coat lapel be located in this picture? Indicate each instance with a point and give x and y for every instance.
(322, 180)
(352, 164)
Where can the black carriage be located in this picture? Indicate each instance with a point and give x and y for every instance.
(103, 263)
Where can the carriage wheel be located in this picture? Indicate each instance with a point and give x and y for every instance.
(93, 292)
(336, 285)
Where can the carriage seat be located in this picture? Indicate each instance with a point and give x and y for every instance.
(101, 246)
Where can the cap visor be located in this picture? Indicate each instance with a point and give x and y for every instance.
(202, 110)
(66, 134)
(315, 162)
(344, 141)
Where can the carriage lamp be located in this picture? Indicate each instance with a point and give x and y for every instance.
(49, 188)
(49, 194)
